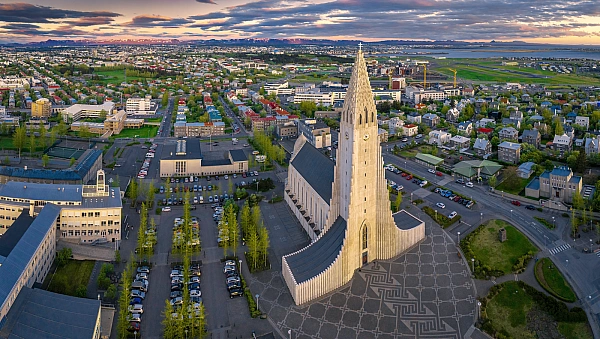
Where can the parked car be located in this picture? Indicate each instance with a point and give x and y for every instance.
(431, 170)
(229, 269)
(516, 202)
(143, 269)
(460, 181)
(166, 209)
(409, 177)
(439, 174)
(177, 301)
(195, 293)
(440, 205)
(138, 294)
(530, 207)
(452, 215)
(236, 292)
(469, 184)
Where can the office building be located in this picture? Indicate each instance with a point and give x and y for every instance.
(316, 133)
(81, 111)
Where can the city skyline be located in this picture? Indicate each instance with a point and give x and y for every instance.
(573, 23)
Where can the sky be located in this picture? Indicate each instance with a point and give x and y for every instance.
(572, 22)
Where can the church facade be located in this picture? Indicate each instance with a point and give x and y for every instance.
(344, 206)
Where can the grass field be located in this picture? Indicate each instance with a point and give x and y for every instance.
(552, 280)
(70, 277)
(154, 119)
(146, 131)
(513, 189)
(508, 310)
(508, 313)
(488, 249)
(114, 76)
(486, 70)
(6, 143)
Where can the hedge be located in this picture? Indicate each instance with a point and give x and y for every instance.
(441, 219)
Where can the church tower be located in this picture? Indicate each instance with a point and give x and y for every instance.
(360, 226)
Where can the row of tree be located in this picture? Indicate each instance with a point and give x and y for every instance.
(256, 236)
(264, 144)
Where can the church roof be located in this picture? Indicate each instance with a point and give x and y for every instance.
(316, 168)
(318, 256)
(359, 96)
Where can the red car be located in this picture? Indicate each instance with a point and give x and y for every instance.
(438, 173)
(516, 203)
(134, 327)
(404, 174)
(409, 177)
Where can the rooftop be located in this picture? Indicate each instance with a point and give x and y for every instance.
(428, 158)
(41, 314)
(405, 220)
(510, 145)
(316, 168)
(14, 233)
(314, 259)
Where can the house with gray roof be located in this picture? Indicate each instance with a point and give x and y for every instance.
(452, 115)
(431, 119)
(508, 133)
(562, 143)
(532, 137)
(509, 152)
(592, 145)
(514, 122)
(482, 147)
(583, 122)
(465, 128)
(525, 170)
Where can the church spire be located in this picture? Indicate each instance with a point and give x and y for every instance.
(359, 107)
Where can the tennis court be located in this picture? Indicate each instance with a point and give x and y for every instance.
(65, 152)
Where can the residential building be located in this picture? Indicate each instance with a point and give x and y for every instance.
(186, 159)
(383, 135)
(395, 125)
(80, 111)
(508, 121)
(410, 130)
(335, 199)
(485, 122)
(509, 152)
(317, 133)
(583, 122)
(562, 143)
(439, 137)
(592, 145)
(417, 94)
(413, 118)
(198, 129)
(41, 108)
(268, 124)
(289, 130)
(559, 185)
(525, 170)
(452, 115)
(532, 137)
(508, 133)
(482, 147)
(431, 119)
(278, 88)
(473, 169)
(465, 128)
(459, 142)
(88, 212)
(516, 114)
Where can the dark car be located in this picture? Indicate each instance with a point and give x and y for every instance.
(231, 274)
(530, 207)
(134, 327)
(236, 292)
(176, 287)
(233, 285)
(176, 294)
(135, 301)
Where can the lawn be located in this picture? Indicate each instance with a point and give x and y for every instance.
(6, 143)
(409, 153)
(553, 281)
(545, 222)
(575, 330)
(67, 279)
(147, 131)
(488, 249)
(508, 309)
(516, 189)
(154, 119)
(114, 76)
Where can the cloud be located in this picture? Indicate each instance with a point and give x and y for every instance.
(207, 2)
(156, 21)
(28, 13)
(406, 19)
(91, 21)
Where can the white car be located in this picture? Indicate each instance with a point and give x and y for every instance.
(141, 276)
(431, 171)
(469, 184)
(195, 293)
(452, 215)
(136, 309)
(166, 209)
(440, 205)
(176, 273)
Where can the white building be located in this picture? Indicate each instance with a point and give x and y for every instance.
(278, 88)
(325, 99)
(80, 111)
(439, 137)
(139, 106)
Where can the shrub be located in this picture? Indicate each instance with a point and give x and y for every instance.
(63, 256)
(81, 292)
(111, 292)
(158, 211)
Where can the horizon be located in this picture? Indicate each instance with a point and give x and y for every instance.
(576, 23)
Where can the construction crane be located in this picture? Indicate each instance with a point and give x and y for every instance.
(453, 71)
(424, 75)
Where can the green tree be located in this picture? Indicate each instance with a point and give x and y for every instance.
(169, 322)
(255, 216)
(53, 135)
(19, 138)
(581, 163)
(72, 162)
(572, 159)
(558, 127)
(133, 192)
(253, 246)
(103, 114)
(123, 317)
(165, 99)
(31, 143)
(111, 292)
(308, 108)
(224, 234)
(398, 201)
(263, 244)
(511, 179)
(45, 160)
(150, 195)
(245, 218)
(142, 237)
(84, 132)
(233, 227)
(492, 181)
(578, 202)
(43, 135)
(495, 141)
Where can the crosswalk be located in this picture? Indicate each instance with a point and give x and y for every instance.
(598, 254)
(560, 248)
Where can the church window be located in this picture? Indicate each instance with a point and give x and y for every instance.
(372, 117)
(360, 120)
(364, 238)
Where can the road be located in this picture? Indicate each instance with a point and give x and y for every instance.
(230, 113)
(166, 124)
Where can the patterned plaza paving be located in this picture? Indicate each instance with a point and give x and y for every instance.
(425, 293)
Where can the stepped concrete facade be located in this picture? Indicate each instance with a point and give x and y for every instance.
(344, 206)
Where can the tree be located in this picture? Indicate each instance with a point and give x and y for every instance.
(245, 218)
(252, 241)
(43, 135)
(84, 132)
(165, 99)
(150, 194)
(122, 321)
(111, 292)
(19, 138)
(53, 135)
(558, 128)
(581, 163)
(224, 234)
(232, 225)
(63, 256)
(511, 179)
(263, 244)
(72, 162)
(45, 160)
(31, 143)
(103, 114)
(169, 322)
(142, 237)
(398, 202)
(308, 108)
(133, 192)
(577, 201)
(255, 216)
(572, 159)
(495, 141)
(492, 181)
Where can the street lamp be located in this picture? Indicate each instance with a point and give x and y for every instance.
(567, 262)
(511, 214)
(186, 333)
(411, 197)
(481, 219)
(290, 333)
(257, 296)
(553, 225)
(478, 309)
(458, 237)
(240, 266)
(473, 265)
(436, 215)
(135, 334)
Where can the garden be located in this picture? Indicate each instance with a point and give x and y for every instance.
(553, 281)
(494, 257)
(71, 276)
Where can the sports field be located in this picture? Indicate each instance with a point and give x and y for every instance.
(65, 152)
(114, 76)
